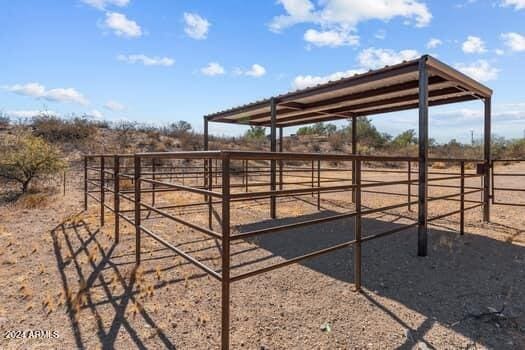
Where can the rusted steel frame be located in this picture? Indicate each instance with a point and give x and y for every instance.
(357, 227)
(409, 186)
(109, 207)
(454, 186)
(131, 199)
(280, 161)
(453, 212)
(389, 232)
(85, 183)
(116, 196)
(312, 178)
(257, 155)
(108, 189)
(126, 218)
(225, 258)
(509, 174)
(97, 169)
(182, 221)
(273, 149)
(318, 184)
(185, 188)
(183, 155)
(251, 195)
(153, 186)
(510, 189)
(430, 199)
(487, 157)
(462, 200)
(391, 194)
(423, 158)
(137, 175)
(102, 192)
(94, 197)
(512, 204)
(129, 176)
(181, 253)
(210, 199)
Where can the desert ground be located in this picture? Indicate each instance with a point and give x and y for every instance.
(61, 271)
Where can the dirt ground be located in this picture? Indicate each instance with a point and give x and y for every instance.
(62, 272)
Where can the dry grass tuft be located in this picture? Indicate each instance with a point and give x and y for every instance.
(33, 201)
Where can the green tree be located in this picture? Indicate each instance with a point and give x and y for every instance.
(255, 133)
(28, 157)
(405, 139)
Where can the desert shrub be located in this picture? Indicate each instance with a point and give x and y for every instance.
(336, 141)
(55, 129)
(27, 157)
(32, 200)
(4, 121)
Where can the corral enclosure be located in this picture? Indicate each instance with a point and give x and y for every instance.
(303, 191)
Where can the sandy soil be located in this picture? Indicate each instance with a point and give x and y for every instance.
(62, 272)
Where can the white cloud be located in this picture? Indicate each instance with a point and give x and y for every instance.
(102, 4)
(146, 60)
(514, 41)
(196, 26)
(373, 58)
(433, 43)
(480, 70)
(212, 69)
(473, 44)
(499, 52)
(255, 71)
(347, 14)
(370, 58)
(331, 38)
(303, 81)
(114, 106)
(122, 26)
(55, 95)
(517, 4)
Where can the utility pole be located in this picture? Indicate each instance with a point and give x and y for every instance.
(472, 137)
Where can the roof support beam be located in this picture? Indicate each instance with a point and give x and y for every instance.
(423, 159)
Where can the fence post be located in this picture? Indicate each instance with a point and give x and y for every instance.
(312, 177)
(409, 186)
(102, 190)
(225, 278)
(210, 198)
(64, 182)
(357, 226)
(116, 195)
(138, 230)
(85, 182)
(319, 184)
(462, 204)
(492, 181)
(153, 186)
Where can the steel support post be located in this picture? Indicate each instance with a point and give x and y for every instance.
(138, 230)
(102, 190)
(487, 158)
(116, 195)
(225, 295)
(357, 227)
(423, 158)
(273, 148)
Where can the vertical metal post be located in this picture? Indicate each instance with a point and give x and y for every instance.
(357, 227)
(64, 182)
(225, 275)
(281, 161)
(153, 186)
(210, 188)
(423, 158)
(318, 184)
(462, 202)
(206, 165)
(409, 187)
(246, 175)
(102, 190)
(273, 146)
(492, 169)
(116, 195)
(312, 177)
(354, 152)
(486, 151)
(85, 182)
(138, 230)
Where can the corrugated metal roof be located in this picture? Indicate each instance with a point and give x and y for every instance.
(388, 89)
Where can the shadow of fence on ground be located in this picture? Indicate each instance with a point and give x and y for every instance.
(461, 277)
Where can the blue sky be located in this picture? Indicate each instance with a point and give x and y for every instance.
(162, 61)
